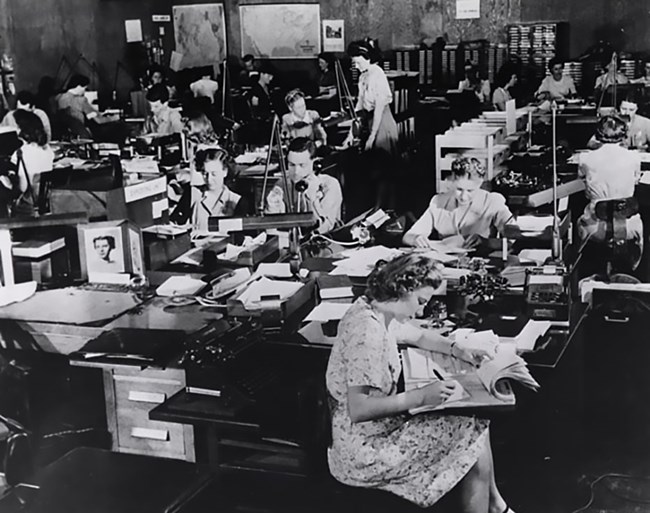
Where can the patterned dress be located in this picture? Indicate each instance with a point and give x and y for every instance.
(420, 458)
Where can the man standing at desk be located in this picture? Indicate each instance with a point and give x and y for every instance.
(320, 194)
(163, 120)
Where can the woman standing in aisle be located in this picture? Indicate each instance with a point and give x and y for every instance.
(378, 130)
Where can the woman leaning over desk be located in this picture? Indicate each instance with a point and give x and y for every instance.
(375, 443)
(466, 211)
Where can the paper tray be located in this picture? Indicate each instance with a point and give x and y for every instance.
(247, 258)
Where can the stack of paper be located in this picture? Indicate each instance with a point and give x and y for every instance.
(264, 290)
(360, 262)
(328, 311)
(534, 224)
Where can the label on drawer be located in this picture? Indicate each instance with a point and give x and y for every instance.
(151, 434)
(147, 397)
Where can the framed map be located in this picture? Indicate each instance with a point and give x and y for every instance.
(200, 34)
(280, 31)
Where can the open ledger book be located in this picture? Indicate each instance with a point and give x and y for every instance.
(482, 388)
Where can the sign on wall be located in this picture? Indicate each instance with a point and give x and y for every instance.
(280, 31)
(333, 36)
(467, 9)
(200, 34)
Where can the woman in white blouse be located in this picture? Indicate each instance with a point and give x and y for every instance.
(378, 130)
(506, 79)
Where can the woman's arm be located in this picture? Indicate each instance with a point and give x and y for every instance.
(362, 406)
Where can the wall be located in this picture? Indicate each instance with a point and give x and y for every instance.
(42, 31)
(622, 22)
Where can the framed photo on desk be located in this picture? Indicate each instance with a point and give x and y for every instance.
(110, 251)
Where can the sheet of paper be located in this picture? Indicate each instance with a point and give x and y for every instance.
(17, 293)
(538, 256)
(133, 30)
(180, 286)
(192, 257)
(534, 223)
(645, 177)
(275, 270)
(175, 60)
(328, 311)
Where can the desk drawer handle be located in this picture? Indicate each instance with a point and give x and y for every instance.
(147, 397)
(619, 320)
(161, 435)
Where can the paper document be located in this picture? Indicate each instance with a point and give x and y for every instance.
(267, 290)
(360, 262)
(275, 270)
(180, 286)
(534, 223)
(328, 311)
(537, 256)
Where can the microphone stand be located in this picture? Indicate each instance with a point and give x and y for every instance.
(556, 248)
(344, 92)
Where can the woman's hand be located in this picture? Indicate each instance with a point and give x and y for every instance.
(472, 241)
(474, 352)
(370, 142)
(437, 392)
(421, 241)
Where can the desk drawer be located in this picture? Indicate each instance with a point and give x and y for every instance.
(143, 394)
(138, 434)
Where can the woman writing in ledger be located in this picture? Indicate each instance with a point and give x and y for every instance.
(466, 211)
(375, 443)
(214, 198)
(301, 122)
(378, 131)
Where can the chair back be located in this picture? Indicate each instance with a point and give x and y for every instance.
(615, 213)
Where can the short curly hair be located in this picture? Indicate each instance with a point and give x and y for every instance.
(611, 129)
(393, 280)
(464, 167)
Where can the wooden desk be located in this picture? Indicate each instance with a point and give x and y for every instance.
(100, 481)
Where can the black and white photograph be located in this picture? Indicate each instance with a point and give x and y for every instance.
(324, 256)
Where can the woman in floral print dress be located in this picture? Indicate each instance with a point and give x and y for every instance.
(375, 443)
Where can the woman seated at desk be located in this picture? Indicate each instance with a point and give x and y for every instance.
(375, 444)
(214, 198)
(610, 172)
(556, 86)
(473, 82)
(506, 79)
(465, 211)
(301, 122)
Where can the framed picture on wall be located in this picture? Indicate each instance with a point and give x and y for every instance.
(110, 251)
(280, 31)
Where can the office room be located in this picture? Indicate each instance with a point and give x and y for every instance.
(331, 256)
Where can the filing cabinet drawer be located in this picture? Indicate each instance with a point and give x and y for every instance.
(131, 393)
(150, 436)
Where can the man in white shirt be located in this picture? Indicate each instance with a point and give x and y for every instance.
(556, 86)
(205, 87)
(26, 101)
(320, 194)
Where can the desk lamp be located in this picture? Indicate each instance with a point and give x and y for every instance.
(294, 233)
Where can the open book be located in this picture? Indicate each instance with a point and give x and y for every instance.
(483, 388)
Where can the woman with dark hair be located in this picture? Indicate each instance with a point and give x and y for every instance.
(378, 131)
(300, 121)
(466, 211)
(32, 159)
(505, 80)
(556, 86)
(214, 198)
(326, 73)
(375, 443)
(610, 172)
(473, 82)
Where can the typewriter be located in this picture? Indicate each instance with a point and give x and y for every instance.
(229, 359)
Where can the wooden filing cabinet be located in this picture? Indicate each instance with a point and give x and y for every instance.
(130, 394)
